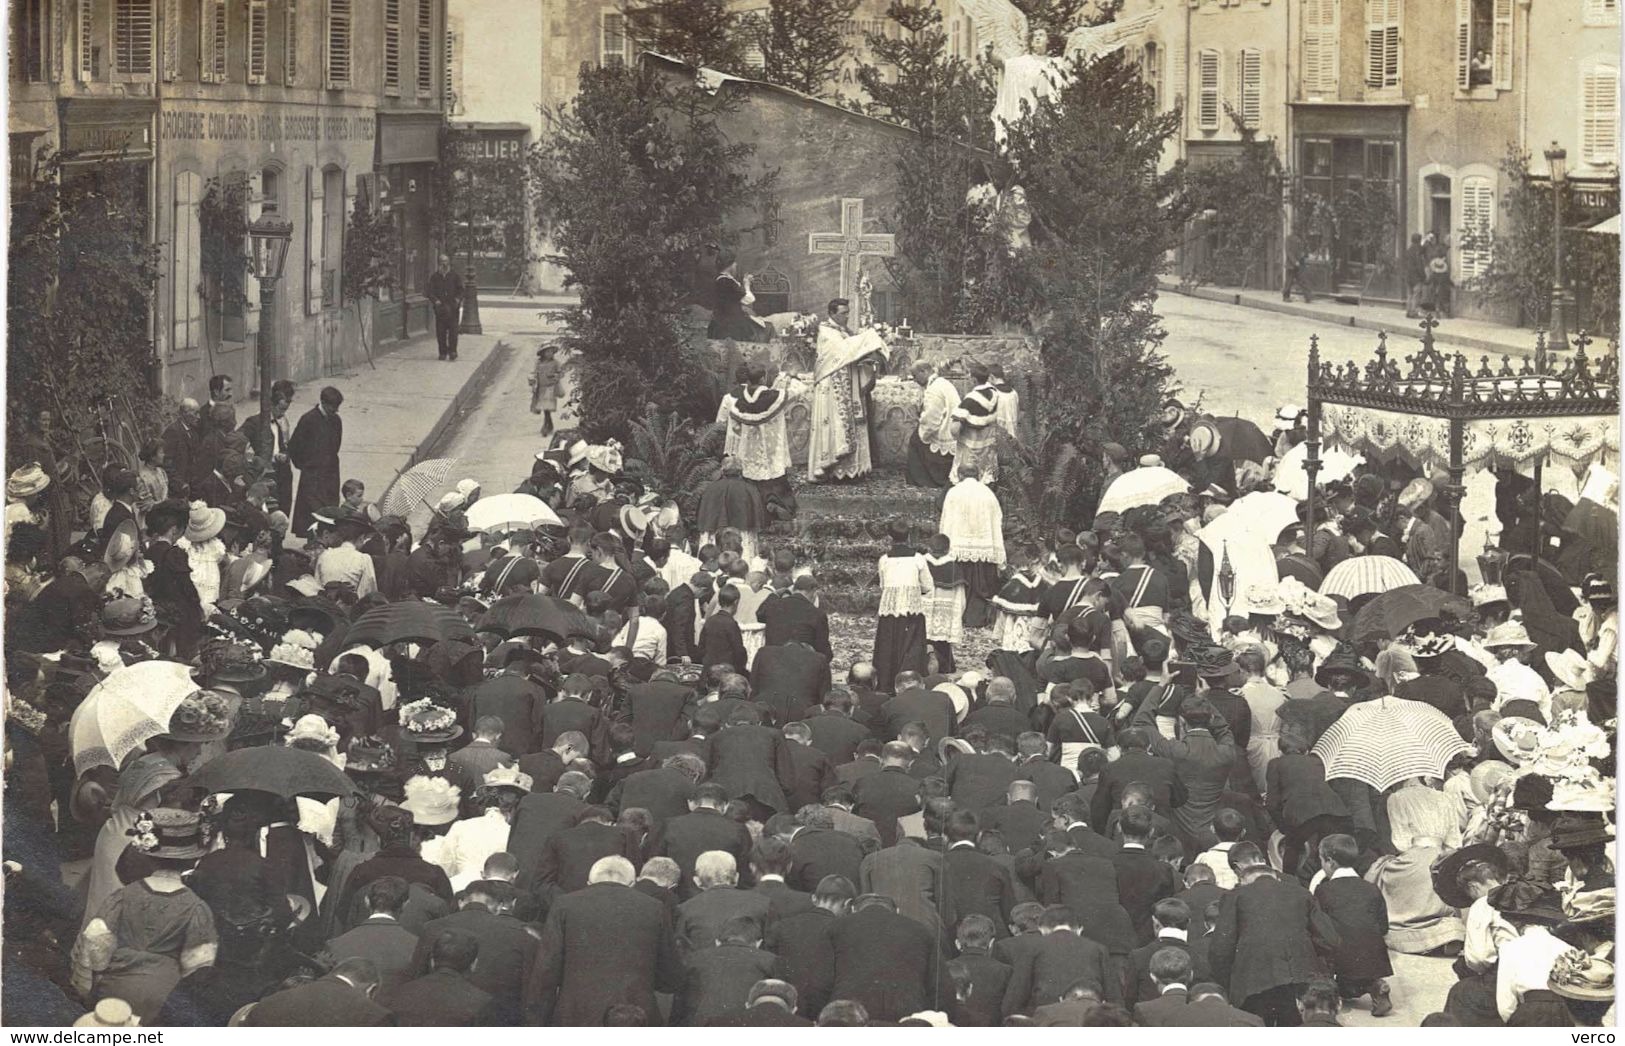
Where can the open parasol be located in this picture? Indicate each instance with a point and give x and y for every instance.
(124, 711)
(1367, 575)
(414, 486)
(1398, 609)
(532, 614)
(1389, 740)
(1261, 514)
(281, 771)
(1146, 485)
(1293, 481)
(506, 512)
(409, 621)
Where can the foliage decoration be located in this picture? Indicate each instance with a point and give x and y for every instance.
(674, 457)
(803, 43)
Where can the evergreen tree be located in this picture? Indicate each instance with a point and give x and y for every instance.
(803, 43)
(636, 175)
(699, 33)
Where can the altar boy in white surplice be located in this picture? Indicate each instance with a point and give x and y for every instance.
(838, 444)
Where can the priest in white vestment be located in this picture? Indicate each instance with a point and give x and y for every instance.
(838, 442)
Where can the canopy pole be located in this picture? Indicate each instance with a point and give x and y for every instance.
(1311, 460)
(1540, 511)
(1453, 494)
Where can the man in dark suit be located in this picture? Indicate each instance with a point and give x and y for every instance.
(342, 999)
(380, 937)
(718, 898)
(1018, 819)
(811, 772)
(183, 451)
(547, 766)
(915, 704)
(999, 716)
(1033, 764)
(703, 828)
(664, 790)
(718, 980)
(506, 949)
(973, 882)
(1135, 764)
(657, 710)
(888, 964)
(682, 617)
(892, 793)
(978, 780)
(866, 700)
(753, 762)
(569, 855)
(865, 761)
(817, 849)
(1061, 959)
(988, 976)
(834, 731)
(721, 641)
(575, 978)
(445, 997)
(1171, 919)
(118, 484)
(772, 1003)
(790, 679)
(314, 450)
(795, 615)
(1087, 885)
(268, 437)
(570, 712)
(445, 293)
(541, 815)
(805, 943)
(1142, 880)
(1269, 939)
(515, 700)
(1168, 1005)
(910, 873)
(1070, 814)
(771, 862)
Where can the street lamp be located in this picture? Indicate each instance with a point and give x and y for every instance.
(1557, 163)
(268, 238)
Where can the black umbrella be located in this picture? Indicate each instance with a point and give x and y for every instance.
(411, 621)
(532, 614)
(285, 772)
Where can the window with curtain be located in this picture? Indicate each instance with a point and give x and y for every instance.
(1319, 48)
(31, 20)
(1208, 103)
(1599, 115)
(1151, 71)
(1383, 19)
(1477, 224)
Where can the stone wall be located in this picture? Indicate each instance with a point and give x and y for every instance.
(896, 397)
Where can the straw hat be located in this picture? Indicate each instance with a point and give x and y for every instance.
(1510, 634)
(109, 1013)
(27, 482)
(1447, 868)
(204, 523)
(1287, 417)
(313, 728)
(1265, 598)
(203, 717)
(605, 458)
(1570, 667)
(1517, 739)
(431, 800)
(1484, 595)
(508, 777)
(129, 616)
(170, 834)
(1583, 977)
(1204, 439)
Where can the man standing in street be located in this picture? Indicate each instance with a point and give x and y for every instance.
(446, 295)
(314, 450)
(183, 449)
(268, 436)
(1297, 261)
(1415, 275)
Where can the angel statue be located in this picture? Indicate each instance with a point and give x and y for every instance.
(1031, 75)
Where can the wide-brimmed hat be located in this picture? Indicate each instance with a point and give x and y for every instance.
(1484, 595)
(1344, 659)
(1522, 899)
(1427, 639)
(1517, 739)
(1583, 977)
(634, 520)
(1447, 868)
(1518, 707)
(109, 1013)
(170, 834)
(1265, 598)
(203, 717)
(128, 616)
(27, 482)
(1510, 634)
(369, 755)
(605, 457)
(428, 723)
(1484, 778)
(508, 777)
(1575, 830)
(431, 800)
(204, 523)
(1589, 794)
(1187, 629)
(1570, 668)
(1213, 662)
(1287, 417)
(576, 453)
(223, 661)
(1596, 586)
(1203, 438)
(1415, 493)
(956, 744)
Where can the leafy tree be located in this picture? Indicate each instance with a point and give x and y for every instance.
(698, 33)
(803, 43)
(81, 278)
(1107, 217)
(674, 457)
(635, 176)
(369, 270)
(1521, 249)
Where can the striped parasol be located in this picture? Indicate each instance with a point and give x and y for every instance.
(414, 486)
(1367, 575)
(1389, 740)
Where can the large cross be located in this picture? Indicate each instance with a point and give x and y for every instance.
(853, 245)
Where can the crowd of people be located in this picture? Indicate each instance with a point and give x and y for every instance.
(611, 773)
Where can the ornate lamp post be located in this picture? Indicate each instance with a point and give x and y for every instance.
(1557, 163)
(268, 238)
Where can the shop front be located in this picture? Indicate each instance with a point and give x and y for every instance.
(1348, 203)
(408, 150)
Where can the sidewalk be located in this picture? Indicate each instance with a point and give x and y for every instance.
(395, 414)
(1475, 335)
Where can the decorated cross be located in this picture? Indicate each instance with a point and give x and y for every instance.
(853, 245)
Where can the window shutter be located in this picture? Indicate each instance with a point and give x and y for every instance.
(338, 44)
(1382, 28)
(1599, 115)
(251, 286)
(448, 78)
(1207, 90)
(172, 39)
(1320, 32)
(1501, 55)
(187, 266)
(1464, 44)
(133, 37)
(259, 24)
(1478, 221)
(1251, 99)
(290, 43)
(84, 63)
(212, 41)
(392, 46)
(220, 25)
(425, 48)
(313, 241)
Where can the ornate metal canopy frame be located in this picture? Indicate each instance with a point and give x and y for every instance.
(1431, 384)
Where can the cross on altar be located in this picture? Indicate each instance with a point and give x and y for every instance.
(853, 245)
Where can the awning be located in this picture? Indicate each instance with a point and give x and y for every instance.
(1607, 227)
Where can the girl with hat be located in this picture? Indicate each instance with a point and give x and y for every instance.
(205, 552)
(143, 938)
(25, 500)
(1510, 644)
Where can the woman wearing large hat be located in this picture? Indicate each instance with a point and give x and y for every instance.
(143, 938)
(1524, 968)
(469, 842)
